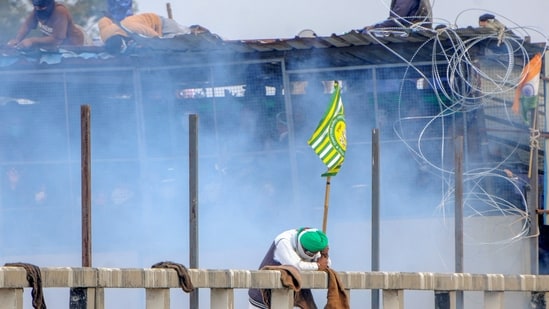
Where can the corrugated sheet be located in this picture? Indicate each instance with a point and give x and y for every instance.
(349, 49)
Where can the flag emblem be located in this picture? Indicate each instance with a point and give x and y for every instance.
(329, 140)
(526, 93)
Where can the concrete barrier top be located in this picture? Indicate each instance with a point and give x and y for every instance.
(57, 277)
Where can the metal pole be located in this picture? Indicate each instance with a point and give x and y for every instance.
(169, 10)
(458, 213)
(533, 197)
(375, 211)
(292, 152)
(78, 298)
(533, 204)
(537, 298)
(86, 185)
(193, 202)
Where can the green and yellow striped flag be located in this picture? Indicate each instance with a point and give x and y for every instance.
(329, 140)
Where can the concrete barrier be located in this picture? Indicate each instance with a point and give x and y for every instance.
(158, 282)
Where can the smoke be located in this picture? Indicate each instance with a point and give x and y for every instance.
(257, 175)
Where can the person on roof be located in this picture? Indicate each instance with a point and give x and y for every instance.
(116, 36)
(119, 9)
(406, 13)
(54, 21)
(489, 21)
(304, 248)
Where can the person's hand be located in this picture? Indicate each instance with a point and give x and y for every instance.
(325, 252)
(12, 43)
(322, 263)
(541, 211)
(25, 44)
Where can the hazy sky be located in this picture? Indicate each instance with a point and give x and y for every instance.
(253, 19)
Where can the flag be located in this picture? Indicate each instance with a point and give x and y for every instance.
(526, 93)
(329, 140)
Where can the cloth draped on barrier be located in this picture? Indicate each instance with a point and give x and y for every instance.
(34, 277)
(182, 272)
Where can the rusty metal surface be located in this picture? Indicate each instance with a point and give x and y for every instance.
(347, 49)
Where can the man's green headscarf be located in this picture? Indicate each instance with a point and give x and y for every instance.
(312, 240)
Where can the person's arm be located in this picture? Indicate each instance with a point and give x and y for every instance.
(39, 42)
(286, 255)
(26, 27)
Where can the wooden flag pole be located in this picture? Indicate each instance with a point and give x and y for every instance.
(533, 141)
(326, 202)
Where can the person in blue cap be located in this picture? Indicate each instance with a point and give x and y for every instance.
(489, 21)
(304, 248)
(119, 9)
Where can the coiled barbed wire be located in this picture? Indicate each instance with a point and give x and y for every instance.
(464, 86)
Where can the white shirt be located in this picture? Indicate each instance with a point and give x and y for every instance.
(286, 252)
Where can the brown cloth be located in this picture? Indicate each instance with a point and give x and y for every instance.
(290, 278)
(304, 299)
(34, 277)
(182, 272)
(337, 298)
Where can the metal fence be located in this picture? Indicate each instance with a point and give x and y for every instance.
(256, 170)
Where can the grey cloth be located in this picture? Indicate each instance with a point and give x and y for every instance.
(171, 28)
(404, 13)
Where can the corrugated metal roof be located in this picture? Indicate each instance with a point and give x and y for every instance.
(349, 49)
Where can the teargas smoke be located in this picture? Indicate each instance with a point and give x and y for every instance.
(257, 175)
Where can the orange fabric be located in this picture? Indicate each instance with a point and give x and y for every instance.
(147, 24)
(107, 29)
(530, 75)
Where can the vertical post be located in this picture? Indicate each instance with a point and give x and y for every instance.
(282, 298)
(393, 299)
(442, 300)
(12, 298)
(539, 299)
(79, 295)
(546, 144)
(292, 152)
(458, 213)
(494, 299)
(169, 9)
(157, 298)
(86, 185)
(454, 299)
(533, 196)
(222, 298)
(193, 201)
(375, 211)
(445, 299)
